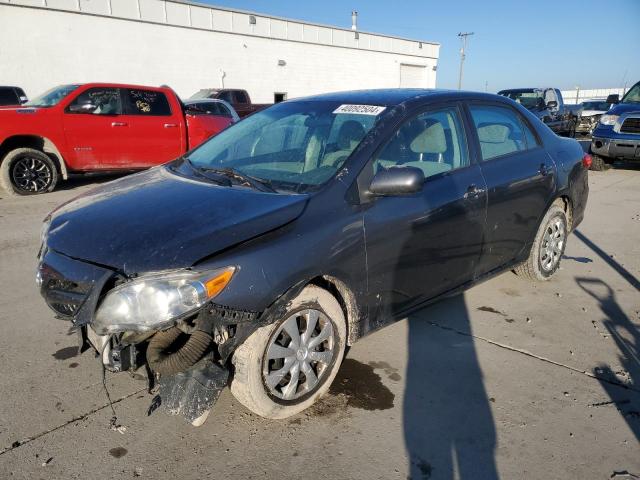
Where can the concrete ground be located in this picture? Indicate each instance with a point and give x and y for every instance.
(511, 380)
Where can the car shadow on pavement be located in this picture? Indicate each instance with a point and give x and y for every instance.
(619, 380)
(76, 181)
(449, 429)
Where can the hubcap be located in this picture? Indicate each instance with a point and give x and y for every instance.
(552, 245)
(31, 174)
(299, 354)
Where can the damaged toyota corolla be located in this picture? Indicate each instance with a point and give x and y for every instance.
(256, 259)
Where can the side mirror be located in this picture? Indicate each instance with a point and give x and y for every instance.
(613, 98)
(552, 104)
(397, 181)
(82, 108)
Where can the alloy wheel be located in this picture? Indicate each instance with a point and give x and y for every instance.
(299, 355)
(31, 174)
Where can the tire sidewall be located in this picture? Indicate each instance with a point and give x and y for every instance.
(10, 159)
(248, 383)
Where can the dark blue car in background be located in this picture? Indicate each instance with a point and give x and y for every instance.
(262, 254)
(617, 135)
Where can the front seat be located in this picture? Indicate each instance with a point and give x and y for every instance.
(430, 145)
(495, 140)
(349, 136)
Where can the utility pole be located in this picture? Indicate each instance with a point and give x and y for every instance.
(463, 36)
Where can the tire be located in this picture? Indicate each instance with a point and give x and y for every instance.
(598, 163)
(26, 171)
(548, 247)
(252, 364)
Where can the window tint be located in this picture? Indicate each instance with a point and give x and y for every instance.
(210, 108)
(433, 142)
(8, 96)
(501, 131)
(147, 102)
(241, 97)
(98, 101)
(227, 96)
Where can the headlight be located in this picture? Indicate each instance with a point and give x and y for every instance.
(608, 119)
(156, 301)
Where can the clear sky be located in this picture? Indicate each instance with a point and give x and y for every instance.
(559, 43)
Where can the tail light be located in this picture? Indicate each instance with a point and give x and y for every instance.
(586, 161)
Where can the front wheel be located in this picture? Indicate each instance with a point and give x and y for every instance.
(548, 247)
(283, 368)
(600, 164)
(26, 171)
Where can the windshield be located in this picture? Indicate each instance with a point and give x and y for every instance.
(633, 95)
(204, 93)
(52, 97)
(527, 98)
(596, 106)
(292, 146)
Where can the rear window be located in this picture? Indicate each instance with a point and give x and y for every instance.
(146, 103)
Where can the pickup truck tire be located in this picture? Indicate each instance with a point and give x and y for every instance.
(599, 163)
(282, 368)
(548, 246)
(26, 171)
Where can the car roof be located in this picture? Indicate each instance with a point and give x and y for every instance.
(394, 96)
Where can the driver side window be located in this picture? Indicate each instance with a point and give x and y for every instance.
(97, 101)
(433, 141)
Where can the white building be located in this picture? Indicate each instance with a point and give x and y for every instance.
(190, 46)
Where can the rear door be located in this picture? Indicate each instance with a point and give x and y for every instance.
(421, 245)
(520, 178)
(92, 127)
(152, 130)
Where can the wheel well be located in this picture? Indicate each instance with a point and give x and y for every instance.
(564, 202)
(37, 143)
(347, 302)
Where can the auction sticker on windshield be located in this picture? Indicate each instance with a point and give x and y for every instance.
(360, 109)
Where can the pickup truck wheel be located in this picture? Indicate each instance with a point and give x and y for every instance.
(26, 171)
(599, 163)
(283, 368)
(548, 246)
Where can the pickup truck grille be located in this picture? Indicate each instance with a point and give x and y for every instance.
(630, 125)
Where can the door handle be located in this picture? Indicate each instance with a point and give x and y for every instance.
(473, 191)
(118, 124)
(170, 125)
(544, 170)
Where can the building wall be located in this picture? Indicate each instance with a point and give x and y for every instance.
(578, 96)
(190, 47)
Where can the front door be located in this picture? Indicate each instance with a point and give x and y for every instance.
(520, 178)
(152, 132)
(421, 245)
(92, 128)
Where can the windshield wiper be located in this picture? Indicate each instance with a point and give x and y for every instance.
(200, 172)
(256, 183)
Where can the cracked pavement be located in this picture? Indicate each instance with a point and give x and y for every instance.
(510, 380)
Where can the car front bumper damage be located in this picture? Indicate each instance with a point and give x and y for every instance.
(187, 365)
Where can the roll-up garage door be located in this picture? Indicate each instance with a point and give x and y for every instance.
(413, 76)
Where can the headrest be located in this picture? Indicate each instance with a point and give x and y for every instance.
(350, 134)
(431, 140)
(493, 133)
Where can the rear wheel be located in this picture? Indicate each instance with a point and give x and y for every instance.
(548, 246)
(26, 171)
(283, 368)
(599, 163)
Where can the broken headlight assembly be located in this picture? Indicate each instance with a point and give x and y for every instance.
(159, 300)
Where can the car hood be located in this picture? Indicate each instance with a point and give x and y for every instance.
(157, 220)
(590, 113)
(621, 108)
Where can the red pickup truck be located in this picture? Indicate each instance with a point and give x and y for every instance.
(96, 127)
